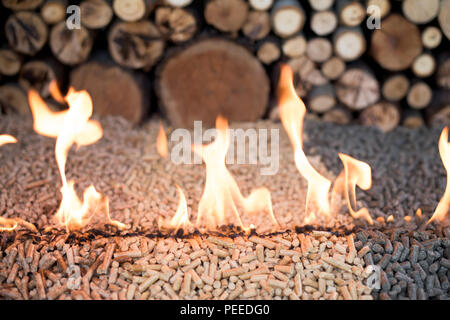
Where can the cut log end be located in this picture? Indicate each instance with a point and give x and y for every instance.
(288, 18)
(431, 37)
(351, 13)
(395, 87)
(257, 25)
(420, 12)
(383, 115)
(130, 10)
(419, 95)
(324, 22)
(177, 24)
(268, 52)
(95, 14)
(18, 5)
(333, 68)
(337, 115)
(212, 77)
(227, 16)
(114, 90)
(294, 47)
(9, 62)
(37, 75)
(26, 32)
(53, 11)
(135, 44)
(320, 5)
(424, 65)
(13, 99)
(321, 98)
(319, 49)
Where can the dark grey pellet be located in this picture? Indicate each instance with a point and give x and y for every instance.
(384, 281)
(414, 253)
(434, 267)
(444, 282)
(421, 295)
(384, 296)
(405, 265)
(412, 291)
(404, 255)
(398, 248)
(424, 264)
(385, 261)
(429, 283)
(445, 263)
(388, 246)
(405, 241)
(368, 259)
(377, 257)
(377, 248)
(422, 255)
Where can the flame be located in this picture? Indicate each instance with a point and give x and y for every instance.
(292, 112)
(355, 173)
(444, 150)
(6, 138)
(181, 218)
(221, 194)
(70, 127)
(390, 218)
(161, 142)
(55, 92)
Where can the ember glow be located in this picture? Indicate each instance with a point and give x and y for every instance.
(292, 113)
(355, 173)
(161, 142)
(221, 196)
(441, 210)
(70, 127)
(181, 218)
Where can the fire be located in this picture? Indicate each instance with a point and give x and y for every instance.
(161, 142)
(292, 112)
(70, 127)
(55, 92)
(444, 150)
(355, 173)
(221, 195)
(6, 138)
(181, 218)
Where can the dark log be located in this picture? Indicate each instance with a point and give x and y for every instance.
(18, 5)
(257, 25)
(10, 62)
(13, 99)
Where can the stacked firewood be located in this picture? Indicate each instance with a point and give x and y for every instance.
(376, 62)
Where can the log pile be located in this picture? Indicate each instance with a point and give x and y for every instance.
(194, 59)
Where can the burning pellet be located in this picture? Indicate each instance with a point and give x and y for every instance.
(39, 285)
(266, 243)
(221, 242)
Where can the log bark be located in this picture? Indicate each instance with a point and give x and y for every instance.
(349, 43)
(338, 115)
(383, 7)
(53, 11)
(114, 90)
(424, 65)
(412, 119)
(443, 73)
(261, 5)
(133, 10)
(268, 51)
(294, 47)
(227, 16)
(383, 115)
(319, 49)
(257, 25)
(431, 37)
(395, 87)
(444, 17)
(389, 46)
(288, 18)
(38, 74)
(351, 13)
(420, 12)
(321, 98)
(18, 5)
(26, 32)
(357, 88)
(10, 62)
(135, 44)
(95, 14)
(13, 99)
(70, 47)
(208, 78)
(306, 75)
(420, 95)
(324, 22)
(333, 68)
(320, 5)
(176, 24)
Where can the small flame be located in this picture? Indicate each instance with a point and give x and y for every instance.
(441, 210)
(161, 142)
(6, 138)
(355, 173)
(55, 92)
(181, 218)
(221, 194)
(419, 213)
(390, 218)
(292, 113)
(70, 127)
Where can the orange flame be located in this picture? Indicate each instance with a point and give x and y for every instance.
(221, 194)
(441, 210)
(161, 142)
(181, 217)
(55, 92)
(355, 173)
(6, 138)
(292, 112)
(70, 127)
